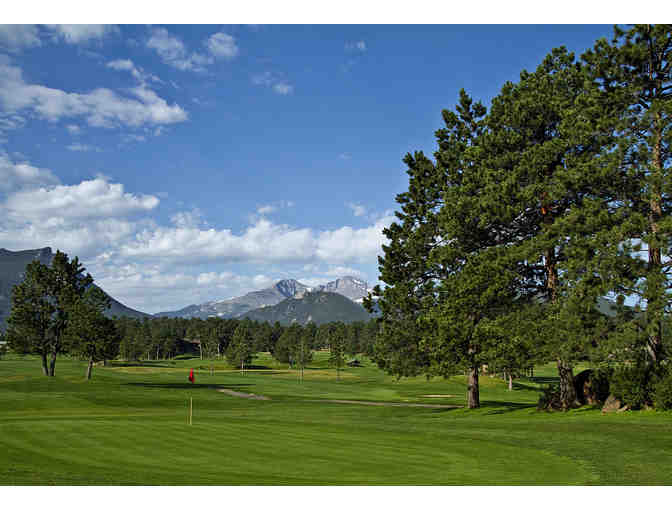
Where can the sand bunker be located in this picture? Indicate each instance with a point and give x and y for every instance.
(243, 395)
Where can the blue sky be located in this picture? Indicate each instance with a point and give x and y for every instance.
(190, 163)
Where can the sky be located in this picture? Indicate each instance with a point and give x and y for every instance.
(189, 163)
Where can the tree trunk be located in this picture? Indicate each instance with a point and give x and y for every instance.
(473, 397)
(104, 362)
(510, 382)
(89, 368)
(567, 390)
(45, 368)
(200, 348)
(52, 364)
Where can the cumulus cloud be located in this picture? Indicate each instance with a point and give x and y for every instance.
(173, 51)
(137, 72)
(356, 46)
(262, 241)
(271, 208)
(266, 209)
(357, 209)
(274, 81)
(101, 107)
(76, 34)
(15, 176)
(96, 198)
(16, 37)
(222, 45)
(82, 147)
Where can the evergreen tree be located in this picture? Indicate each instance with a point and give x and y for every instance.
(240, 351)
(41, 306)
(544, 178)
(90, 333)
(337, 346)
(441, 267)
(634, 71)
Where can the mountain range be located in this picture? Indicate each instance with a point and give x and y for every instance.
(318, 307)
(350, 287)
(12, 270)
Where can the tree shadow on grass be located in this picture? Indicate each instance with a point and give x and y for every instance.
(545, 380)
(499, 407)
(523, 386)
(186, 386)
(147, 364)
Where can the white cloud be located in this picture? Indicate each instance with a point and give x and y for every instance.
(137, 72)
(273, 81)
(173, 51)
(266, 209)
(15, 176)
(101, 107)
(17, 37)
(76, 34)
(262, 241)
(357, 209)
(81, 147)
(356, 46)
(270, 208)
(188, 219)
(130, 137)
(222, 45)
(73, 129)
(96, 198)
(283, 88)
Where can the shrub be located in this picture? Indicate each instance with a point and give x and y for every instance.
(663, 392)
(632, 385)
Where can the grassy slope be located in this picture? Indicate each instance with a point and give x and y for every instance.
(128, 426)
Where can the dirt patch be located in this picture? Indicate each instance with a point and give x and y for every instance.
(388, 404)
(438, 396)
(243, 395)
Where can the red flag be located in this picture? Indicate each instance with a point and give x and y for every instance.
(191, 375)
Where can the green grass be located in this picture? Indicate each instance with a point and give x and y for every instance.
(128, 426)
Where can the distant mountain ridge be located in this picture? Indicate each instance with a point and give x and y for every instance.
(348, 286)
(237, 306)
(12, 271)
(318, 307)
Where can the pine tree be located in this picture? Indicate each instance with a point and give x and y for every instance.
(41, 306)
(90, 333)
(337, 345)
(443, 268)
(240, 351)
(634, 71)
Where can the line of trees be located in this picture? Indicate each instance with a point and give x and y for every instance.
(238, 341)
(556, 196)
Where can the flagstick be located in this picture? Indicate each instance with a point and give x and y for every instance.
(191, 406)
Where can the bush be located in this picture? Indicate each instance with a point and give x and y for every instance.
(632, 385)
(663, 392)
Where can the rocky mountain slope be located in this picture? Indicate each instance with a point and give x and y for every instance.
(348, 286)
(318, 307)
(235, 307)
(12, 269)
